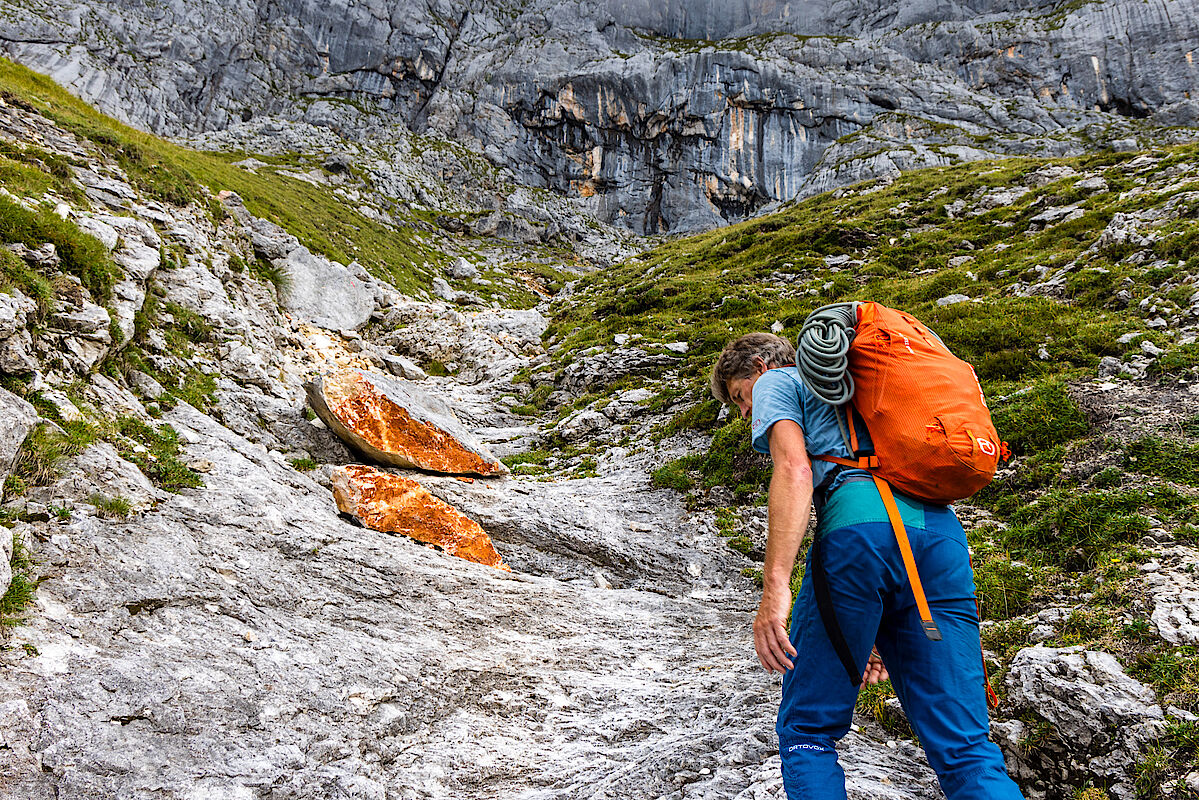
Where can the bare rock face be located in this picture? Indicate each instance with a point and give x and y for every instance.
(1171, 582)
(657, 116)
(395, 504)
(17, 419)
(1094, 721)
(393, 422)
(325, 292)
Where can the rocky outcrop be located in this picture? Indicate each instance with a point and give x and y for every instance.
(16, 342)
(1171, 581)
(1080, 717)
(17, 419)
(625, 535)
(395, 423)
(231, 635)
(326, 293)
(395, 504)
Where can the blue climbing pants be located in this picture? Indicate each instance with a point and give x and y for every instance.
(940, 684)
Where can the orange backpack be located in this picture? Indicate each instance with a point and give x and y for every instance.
(931, 431)
(924, 408)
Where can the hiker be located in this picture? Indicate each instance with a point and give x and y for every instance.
(940, 683)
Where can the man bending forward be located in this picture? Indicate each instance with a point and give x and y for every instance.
(940, 684)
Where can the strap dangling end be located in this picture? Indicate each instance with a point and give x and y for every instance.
(992, 698)
(931, 630)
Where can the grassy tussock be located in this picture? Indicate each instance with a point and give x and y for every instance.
(19, 595)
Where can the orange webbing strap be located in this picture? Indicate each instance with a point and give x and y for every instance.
(992, 698)
(909, 560)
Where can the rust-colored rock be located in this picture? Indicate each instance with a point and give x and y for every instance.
(394, 422)
(395, 504)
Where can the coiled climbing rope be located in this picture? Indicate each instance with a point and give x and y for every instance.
(822, 354)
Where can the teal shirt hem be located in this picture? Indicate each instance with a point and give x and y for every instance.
(859, 503)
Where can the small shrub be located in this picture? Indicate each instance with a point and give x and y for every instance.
(1164, 459)
(731, 461)
(1169, 670)
(111, 507)
(40, 459)
(303, 464)
(1039, 419)
(673, 475)
(159, 461)
(1176, 361)
(82, 255)
(1004, 588)
(1151, 772)
(1071, 530)
(274, 274)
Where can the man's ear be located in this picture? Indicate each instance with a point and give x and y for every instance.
(760, 364)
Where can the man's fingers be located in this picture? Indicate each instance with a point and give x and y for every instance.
(782, 645)
(788, 648)
(770, 653)
(763, 651)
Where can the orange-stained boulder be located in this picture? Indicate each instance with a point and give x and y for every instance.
(395, 504)
(393, 422)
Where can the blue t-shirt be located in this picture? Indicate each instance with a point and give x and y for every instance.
(780, 394)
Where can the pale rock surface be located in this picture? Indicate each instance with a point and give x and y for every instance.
(1100, 719)
(583, 425)
(1175, 593)
(100, 470)
(594, 370)
(952, 299)
(327, 293)
(6, 554)
(241, 638)
(461, 269)
(17, 420)
(481, 348)
(138, 255)
(639, 536)
(16, 343)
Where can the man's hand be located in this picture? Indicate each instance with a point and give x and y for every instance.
(875, 672)
(770, 632)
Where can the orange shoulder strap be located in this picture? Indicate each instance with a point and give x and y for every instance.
(909, 560)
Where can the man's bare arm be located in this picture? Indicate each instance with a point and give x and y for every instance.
(789, 508)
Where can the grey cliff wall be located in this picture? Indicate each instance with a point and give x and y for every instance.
(663, 116)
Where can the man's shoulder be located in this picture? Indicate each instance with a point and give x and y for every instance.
(779, 376)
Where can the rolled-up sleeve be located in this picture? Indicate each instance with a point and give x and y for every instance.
(776, 397)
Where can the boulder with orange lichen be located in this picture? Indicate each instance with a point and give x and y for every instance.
(393, 422)
(395, 504)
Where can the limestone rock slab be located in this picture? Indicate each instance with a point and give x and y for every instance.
(326, 293)
(1174, 586)
(1100, 719)
(393, 422)
(17, 419)
(395, 504)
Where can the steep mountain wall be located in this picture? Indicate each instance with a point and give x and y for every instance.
(665, 116)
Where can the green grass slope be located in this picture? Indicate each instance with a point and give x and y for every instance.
(172, 174)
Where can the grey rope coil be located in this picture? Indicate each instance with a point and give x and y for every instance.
(822, 355)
